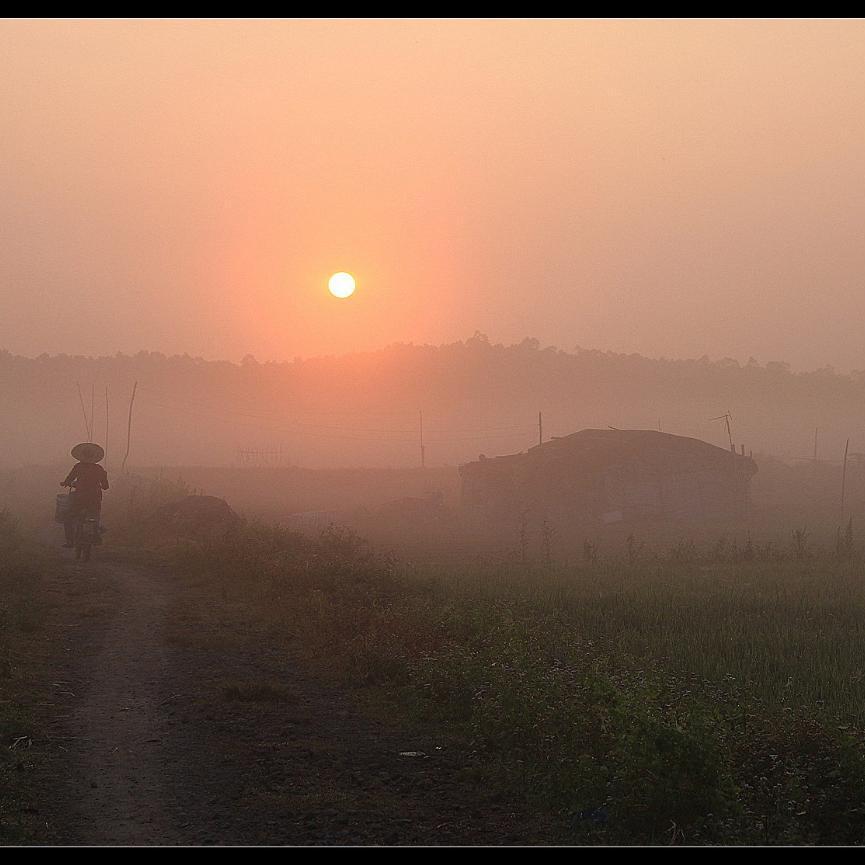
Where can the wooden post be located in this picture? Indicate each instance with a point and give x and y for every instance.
(129, 428)
(844, 479)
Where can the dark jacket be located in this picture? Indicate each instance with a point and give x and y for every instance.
(88, 479)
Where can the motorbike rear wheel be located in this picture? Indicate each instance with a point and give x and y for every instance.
(84, 536)
(82, 552)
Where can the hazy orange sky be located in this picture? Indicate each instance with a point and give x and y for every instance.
(672, 188)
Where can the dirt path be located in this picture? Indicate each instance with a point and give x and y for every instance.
(111, 787)
(166, 727)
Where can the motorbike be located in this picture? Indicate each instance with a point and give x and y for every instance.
(86, 536)
(87, 532)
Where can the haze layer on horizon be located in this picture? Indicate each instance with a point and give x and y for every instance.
(674, 188)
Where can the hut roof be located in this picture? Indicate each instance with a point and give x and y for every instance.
(596, 450)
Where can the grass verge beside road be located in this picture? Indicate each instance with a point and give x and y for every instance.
(24, 670)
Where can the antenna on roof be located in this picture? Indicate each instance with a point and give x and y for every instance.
(727, 417)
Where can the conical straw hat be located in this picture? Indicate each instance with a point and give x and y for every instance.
(87, 452)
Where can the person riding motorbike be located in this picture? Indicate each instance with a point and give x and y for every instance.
(87, 479)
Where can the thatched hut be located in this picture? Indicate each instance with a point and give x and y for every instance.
(605, 477)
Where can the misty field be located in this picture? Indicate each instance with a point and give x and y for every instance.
(693, 695)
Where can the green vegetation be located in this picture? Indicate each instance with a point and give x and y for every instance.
(21, 615)
(700, 696)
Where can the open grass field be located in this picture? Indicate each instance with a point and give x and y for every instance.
(692, 694)
(711, 696)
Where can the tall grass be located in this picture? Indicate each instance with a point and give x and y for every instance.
(693, 695)
(135, 498)
(22, 610)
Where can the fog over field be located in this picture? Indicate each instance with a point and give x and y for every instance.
(363, 409)
(677, 189)
(423, 432)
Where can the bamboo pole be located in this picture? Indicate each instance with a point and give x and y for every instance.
(83, 410)
(844, 479)
(422, 448)
(129, 428)
(106, 427)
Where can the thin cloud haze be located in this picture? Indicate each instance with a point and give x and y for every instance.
(674, 188)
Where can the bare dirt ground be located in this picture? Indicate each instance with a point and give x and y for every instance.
(165, 726)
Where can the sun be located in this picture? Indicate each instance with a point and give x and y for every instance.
(341, 284)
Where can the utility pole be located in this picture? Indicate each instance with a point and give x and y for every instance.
(816, 430)
(93, 409)
(540, 428)
(422, 448)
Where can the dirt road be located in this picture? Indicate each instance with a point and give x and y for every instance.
(165, 726)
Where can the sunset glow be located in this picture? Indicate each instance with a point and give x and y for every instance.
(568, 499)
